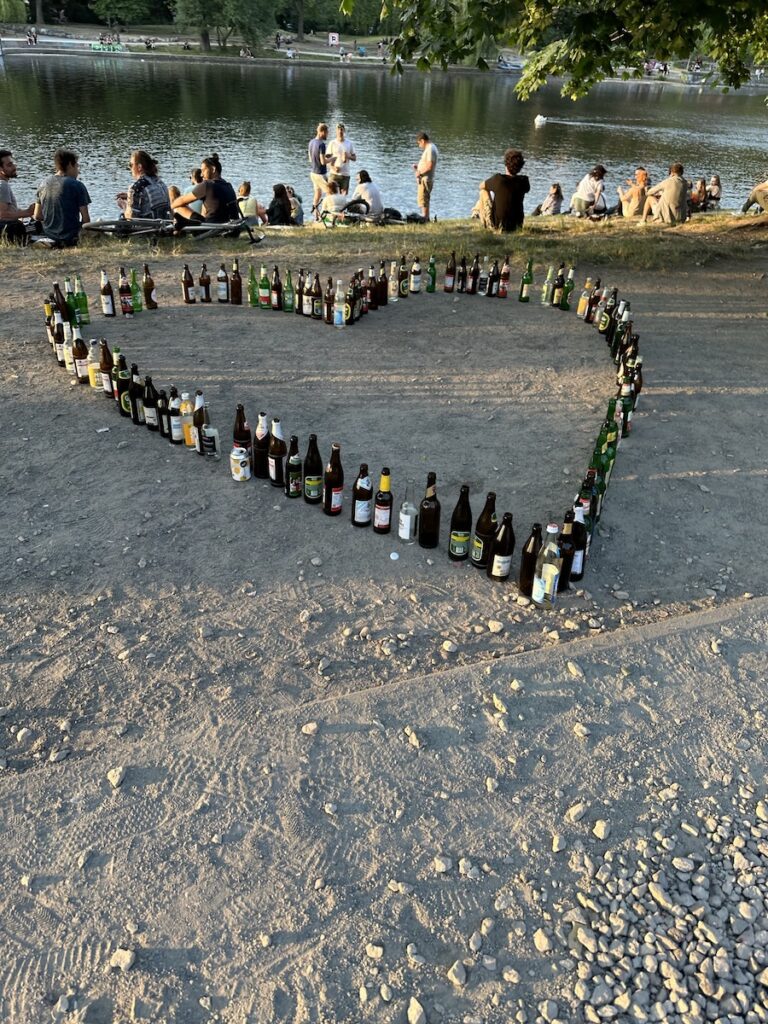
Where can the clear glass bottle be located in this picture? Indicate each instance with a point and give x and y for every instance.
(408, 517)
(547, 570)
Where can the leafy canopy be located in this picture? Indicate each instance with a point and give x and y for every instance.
(583, 41)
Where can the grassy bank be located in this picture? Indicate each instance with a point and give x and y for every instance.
(614, 243)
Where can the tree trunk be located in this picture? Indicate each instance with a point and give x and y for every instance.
(205, 40)
(300, 20)
(39, 18)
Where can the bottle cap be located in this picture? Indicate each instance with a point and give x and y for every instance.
(552, 528)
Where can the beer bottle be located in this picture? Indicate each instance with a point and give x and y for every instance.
(118, 364)
(594, 299)
(313, 473)
(126, 296)
(485, 531)
(204, 284)
(69, 357)
(528, 561)
(317, 299)
(504, 279)
(429, 515)
(585, 500)
(567, 551)
(638, 379)
(236, 285)
(494, 278)
(394, 282)
(198, 421)
(579, 534)
(299, 299)
(597, 464)
(581, 308)
(306, 301)
(565, 298)
(559, 285)
(526, 283)
(461, 527)
(547, 287)
(362, 498)
(222, 284)
(462, 276)
(382, 506)
(265, 291)
(289, 297)
(408, 516)
(80, 355)
(210, 437)
(187, 286)
(382, 295)
(482, 281)
(602, 302)
(58, 334)
(163, 418)
(94, 369)
(362, 294)
(626, 407)
(241, 432)
(339, 300)
(474, 276)
(49, 322)
(61, 302)
(349, 304)
(329, 301)
(150, 402)
(545, 580)
(276, 454)
(603, 324)
(71, 302)
(148, 285)
(124, 389)
(431, 276)
(333, 483)
(81, 302)
(253, 288)
(187, 410)
(449, 282)
(402, 279)
(293, 482)
(260, 458)
(372, 290)
(501, 551)
(135, 293)
(276, 290)
(176, 430)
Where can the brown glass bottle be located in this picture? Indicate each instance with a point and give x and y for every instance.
(382, 506)
(148, 286)
(260, 460)
(241, 432)
(429, 515)
(276, 454)
(204, 284)
(136, 396)
(328, 302)
(461, 527)
(313, 473)
(372, 289)
(383, 284)
(236, 285)
(187, 286)
(163, 419)
(317, 299)
(293, 481)
(333, 483)
(567, 551)
(105, 367)
(276, 290)
(222, 284)
(485, 531)
(80, 356)
(150, 398)
(449, 282)
(362, 498)
(528, 561)
(501, 551)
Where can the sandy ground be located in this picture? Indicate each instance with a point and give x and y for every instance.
(161, 618)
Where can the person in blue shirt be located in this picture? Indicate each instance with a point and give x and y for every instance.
(63, 200)
(318, 171)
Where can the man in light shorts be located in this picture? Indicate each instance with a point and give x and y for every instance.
(318, 172)
(425, 172)
(338, 155)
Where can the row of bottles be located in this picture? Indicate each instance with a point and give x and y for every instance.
(132, 297)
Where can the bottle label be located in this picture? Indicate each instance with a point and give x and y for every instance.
(195, 435)
(525, 291)
(187, 433)
(177, 429)
(294, 482)
(107, 305)
(406, 525)
(557, 295)
(222, 291)
(459, 543)
(106, 383)
(415, 282)
(275, 467)
(537, 593)
(478, 549)
(502, 565)
(210, 443)
(151, 417)
(60, 352)
(94, 376)
(306, 305)
(339, 315)
(336, 495)
(382, 517)
(313, 486)
(363, 511)
(125, 403)
(403, 287)
(449, 282)
(317, 308)
(264, 296)
(577, 566)
(140, 410)
(81, 368)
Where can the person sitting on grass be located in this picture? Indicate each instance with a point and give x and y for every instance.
(366, 198)
(588, 200)
(279, 210)
(553, 204)
(500, 205)
(147, 195)
(297, 208)
(11, 215)
(632, 199)
(219, 206)
(62, 202)
(249, 205)
(697, 201)
(757, 197)
(714, 190)
(668, 201)
(334, 202)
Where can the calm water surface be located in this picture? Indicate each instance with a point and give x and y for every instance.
(259, 119)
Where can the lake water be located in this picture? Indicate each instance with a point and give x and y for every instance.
(259, 119)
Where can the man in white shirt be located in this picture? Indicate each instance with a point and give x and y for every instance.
(338, 155)
(369, 194)
(425, 172)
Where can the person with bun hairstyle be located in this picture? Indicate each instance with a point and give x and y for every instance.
(147, 195)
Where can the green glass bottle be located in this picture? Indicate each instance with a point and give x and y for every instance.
(136, 293)
(289, 295)
(565, 298)
(431, 275)
(81, 302)
(526, 283)
(253, 289)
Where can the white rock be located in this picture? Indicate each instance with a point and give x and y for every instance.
(122, 959)
(499, 704)
(457, 974)
(548, 1010)
(762, 811)
(511, 975)
(116, 776)
(265, 940)
(602, 829)
(309, 728)
(475, 942)
(582, 731)
(495, 626)
(491, 784)
(323, 664)
(329, 807)
(362, 994)
(542, 941)
(305, 615)
(716, 646)
(416, 1014)
(443, 864)
(23, 736)
(449, 646)
(558, 843)
(489, 963)
(374, 951)
(59, 755)
(576, 811)
(684, 864)
(316, 561)
(386, 993)
(575, 669)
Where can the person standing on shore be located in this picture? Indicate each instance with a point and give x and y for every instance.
(11, 215)
(62, 201)
(338, 155)
(425, 172)
(318, 171)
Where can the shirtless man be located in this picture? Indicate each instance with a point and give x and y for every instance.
(218, 196)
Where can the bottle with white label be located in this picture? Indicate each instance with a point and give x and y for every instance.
(393, 286)
(276, 454)
(339, 301)
(222, 284)
(186, 410)
(58, 337)
(176, 435)
(69, 359)
(80, 356)
(461, 527)
(198, 419)
(94, 365)
(362, 498)
(502, 548)
(545, 581)
(579, 532)
(414, 281)
(294, 485)
(107, 296)
(408, 517)
(150, 400)
(333, 483)
(382, 506)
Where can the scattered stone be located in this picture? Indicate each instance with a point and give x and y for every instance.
(374, 951)
(443, 864)
(416, 1014)
(329, 808)
(495, 626)
(716, 646)
(542, 941)
(576, 812)
(322, 665)
(510, 975)
(575, 669)
(23, 736)
(116, 776)
(27, 880)
(413, 954)
(449, 646)
(386, 993)
(475, 942)
(59, 755)
(457, 974)
(762, 811)
(362, 994)
(582, 731)
(523, 601)
(558, 843)
(305, 615)
(602, 829)
(491, 784)
(309, 728)
(316, 561)
(621, 595)
(499, 704)
(122, 959)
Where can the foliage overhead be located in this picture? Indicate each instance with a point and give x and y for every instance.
(12, 12)
(583, 41)
(122, 12)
